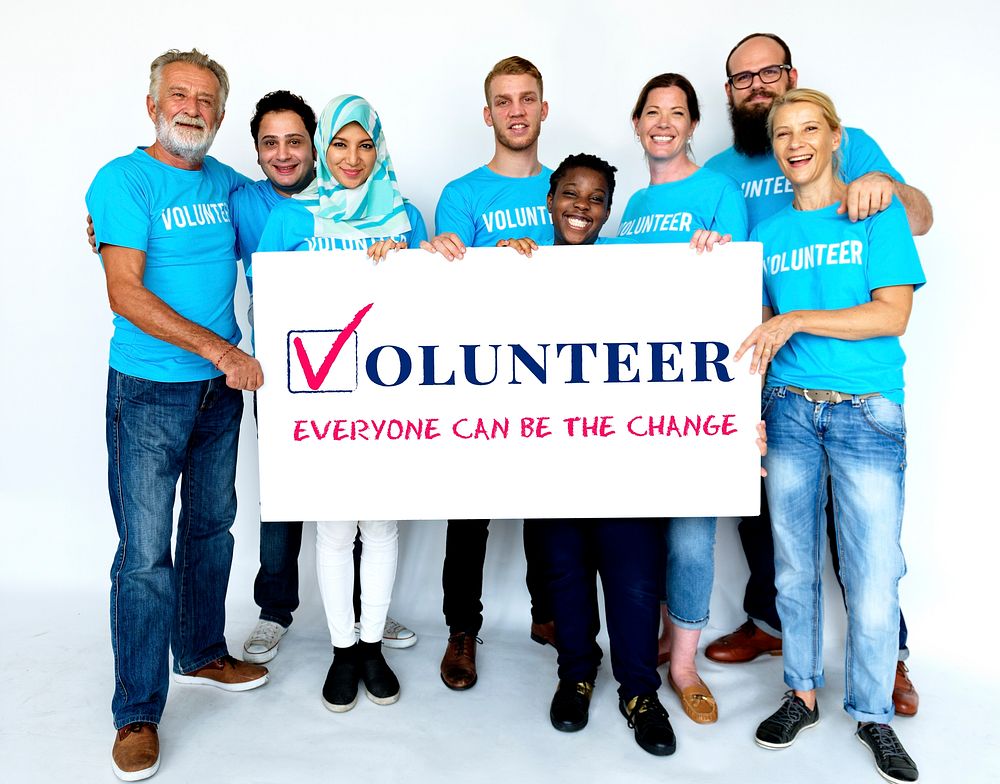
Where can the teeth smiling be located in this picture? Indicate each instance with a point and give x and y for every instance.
(578, 223)
(664, 138)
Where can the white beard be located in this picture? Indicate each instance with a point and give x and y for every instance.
(185, 142)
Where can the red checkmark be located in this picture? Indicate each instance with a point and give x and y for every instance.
(315, 380)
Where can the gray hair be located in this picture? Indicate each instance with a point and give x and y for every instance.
(194, 57)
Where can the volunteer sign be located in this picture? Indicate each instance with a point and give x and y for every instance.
(583, 382)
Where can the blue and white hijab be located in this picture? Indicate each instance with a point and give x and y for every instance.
(374, 208)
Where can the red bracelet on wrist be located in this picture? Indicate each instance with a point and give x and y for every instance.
(223, 356)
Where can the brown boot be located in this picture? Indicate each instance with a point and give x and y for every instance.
(904, 695)
(136, 753)
(458, 667)
(745, 644)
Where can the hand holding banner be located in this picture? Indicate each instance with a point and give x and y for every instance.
(589, 381)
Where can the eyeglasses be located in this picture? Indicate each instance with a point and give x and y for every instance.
(769, 75)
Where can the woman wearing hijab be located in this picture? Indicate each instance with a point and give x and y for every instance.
(353, 204)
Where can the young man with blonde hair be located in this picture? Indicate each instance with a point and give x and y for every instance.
(504, 198)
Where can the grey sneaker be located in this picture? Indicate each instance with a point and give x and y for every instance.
(394, 635)
(891, 760)
(262, 644)
(779, 730)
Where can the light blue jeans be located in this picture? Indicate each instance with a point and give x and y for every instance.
(690, 549)
(861, 445)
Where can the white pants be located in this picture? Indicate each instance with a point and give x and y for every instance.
(335, 570)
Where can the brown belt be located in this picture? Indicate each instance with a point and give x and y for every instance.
(829, 395)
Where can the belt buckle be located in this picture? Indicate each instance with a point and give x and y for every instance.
(823, 396)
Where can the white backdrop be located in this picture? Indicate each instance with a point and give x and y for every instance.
(922, 81)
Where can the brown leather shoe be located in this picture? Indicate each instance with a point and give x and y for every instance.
(544, 633)
(226, 673)
(136, 753)
(697, 701)
(745, 644)
(458, 667)
(904, 695)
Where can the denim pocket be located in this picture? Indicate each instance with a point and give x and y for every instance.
(885, 417)
(767, 396)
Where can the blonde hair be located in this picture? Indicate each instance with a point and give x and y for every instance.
(818, 99)
(194, 57)
(512, 66)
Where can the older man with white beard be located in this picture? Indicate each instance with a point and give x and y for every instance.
(174, 402)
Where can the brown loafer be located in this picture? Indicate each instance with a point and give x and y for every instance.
(544, 633)
(743, 645)
(458, 667)
(136, 753)
(904, 695)
(697, 701)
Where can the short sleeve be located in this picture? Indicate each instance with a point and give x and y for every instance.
(863, 155)
(118, 203)
(273, 237)
(765, 299)
(731, 213)
(892, 254)
(418, 229)
(453, 214)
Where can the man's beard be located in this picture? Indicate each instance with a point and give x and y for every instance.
(190, 144)
(749, 124)
(515, 145)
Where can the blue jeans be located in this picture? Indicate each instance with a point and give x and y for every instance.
(276, 587)
(690, 545)
(861, 446)
(158, 433)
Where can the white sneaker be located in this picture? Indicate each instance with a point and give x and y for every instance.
(262, 644)
(394, 635)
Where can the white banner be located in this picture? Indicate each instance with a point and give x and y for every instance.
(584, 382)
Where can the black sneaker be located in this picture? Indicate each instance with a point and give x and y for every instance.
(340, 691)
(570, 705)
(381, 684)
(779, 730)
(891, 760)
(650, 722)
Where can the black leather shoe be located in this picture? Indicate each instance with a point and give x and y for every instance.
(891, 759)
(650, 722)
(781, 728)
(381, 684)
(570, 705)
(340, 691)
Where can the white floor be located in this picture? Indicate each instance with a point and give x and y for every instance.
(56, 723)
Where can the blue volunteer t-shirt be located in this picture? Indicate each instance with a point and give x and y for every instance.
(819, 260)
(180, 219)
(484, 207)
(292, 227)
(765, 188)
(250, 207)
(673, 211)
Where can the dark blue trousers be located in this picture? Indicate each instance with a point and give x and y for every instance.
(628, 555)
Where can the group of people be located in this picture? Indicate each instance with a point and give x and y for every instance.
(836, 221)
